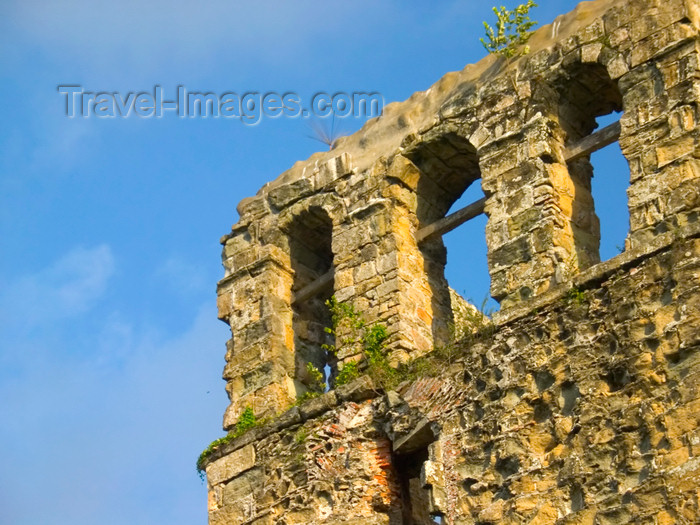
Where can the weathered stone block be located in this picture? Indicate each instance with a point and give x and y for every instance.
(669, 152)
(286, 194)
(579, 405)
(230, 466)
(359, 390)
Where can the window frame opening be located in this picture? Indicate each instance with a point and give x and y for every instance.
(473, 286)
(611, 188)
(586, 93)
(312, 262)
(449, 166)
(409, 457)
(415, 498)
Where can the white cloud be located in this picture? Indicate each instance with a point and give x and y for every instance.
(102, 419)
(113, 445)
(182, 276)
(62, 143)
(67, 287)
(47, 144)
(132, 36)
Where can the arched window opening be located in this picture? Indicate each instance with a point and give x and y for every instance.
(415, 497)
(449, 170)
(467, 269)
(310, 237)
(589, 108)
(610, 183)
(409, 458)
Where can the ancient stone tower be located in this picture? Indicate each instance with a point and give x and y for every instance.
(581, 402)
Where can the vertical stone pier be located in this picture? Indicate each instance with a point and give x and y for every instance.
(580, 404)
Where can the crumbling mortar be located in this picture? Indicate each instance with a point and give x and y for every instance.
(609, 331)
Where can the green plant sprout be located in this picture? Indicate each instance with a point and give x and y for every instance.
(471, 325)
(349, 373)
(316, 384)
(367, 339)
(246, 421)
(576, 295)
(513, 30)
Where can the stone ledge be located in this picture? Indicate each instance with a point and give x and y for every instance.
(231, 465)
(361, 389)
(250, 268)
(595, 274)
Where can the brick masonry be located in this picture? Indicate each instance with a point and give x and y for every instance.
(580, 408)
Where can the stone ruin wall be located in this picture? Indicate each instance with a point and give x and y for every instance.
(579, 408)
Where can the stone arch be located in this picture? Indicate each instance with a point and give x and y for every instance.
(447, 165)
(309, 231)
(585, 90)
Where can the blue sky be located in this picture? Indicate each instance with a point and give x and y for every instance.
(111, 354)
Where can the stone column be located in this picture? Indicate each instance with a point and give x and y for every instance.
(254, 299)
(379, 267)
(422, 292)
(530, 206)
(660, 132)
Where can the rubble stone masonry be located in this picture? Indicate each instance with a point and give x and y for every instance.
(582, 405)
